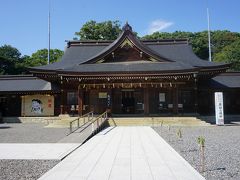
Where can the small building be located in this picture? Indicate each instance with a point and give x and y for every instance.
(26, 95)
(132, 77)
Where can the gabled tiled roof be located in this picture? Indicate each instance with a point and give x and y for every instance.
(81, 56)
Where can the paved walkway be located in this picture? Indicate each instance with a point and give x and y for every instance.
(124, 153)
(36, 151)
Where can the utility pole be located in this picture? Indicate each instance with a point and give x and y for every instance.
(209, 37)
(49, 32)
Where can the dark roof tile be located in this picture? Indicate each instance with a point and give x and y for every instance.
(24, 83)
(226, 80)
(130, 67)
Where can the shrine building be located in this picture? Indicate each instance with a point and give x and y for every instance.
(127, 77)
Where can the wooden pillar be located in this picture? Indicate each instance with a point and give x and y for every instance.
(63, 102)
(80, 101)
(175, 100)
(146, 101)
(195, 96)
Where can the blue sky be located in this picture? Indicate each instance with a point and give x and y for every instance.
(24, 23)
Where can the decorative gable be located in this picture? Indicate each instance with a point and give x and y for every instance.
(127, 48)
(126, 43)
(127, 52)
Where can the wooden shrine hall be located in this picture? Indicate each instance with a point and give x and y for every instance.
(130, 76)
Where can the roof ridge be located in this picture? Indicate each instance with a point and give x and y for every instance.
(144, 41)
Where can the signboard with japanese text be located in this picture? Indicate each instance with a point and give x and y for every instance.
(219, 112)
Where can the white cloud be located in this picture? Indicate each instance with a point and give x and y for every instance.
(158, 25)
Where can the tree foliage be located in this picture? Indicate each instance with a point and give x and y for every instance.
(221, 39)
(167, 35)
(10, 57)
(230, 54)
(40, 57)
(107, 30)
(11, 61)
(10, 53)
(6, 66)
(221, 43)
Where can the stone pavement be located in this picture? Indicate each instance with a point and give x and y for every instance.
(36, 150)
(123, 153)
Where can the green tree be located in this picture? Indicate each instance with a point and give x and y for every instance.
(221, 39)
(166, 35)
(199, 40)
(200, 44)
(40, 57)
(6, 66)
(107, 30)
(9, 58)
(230, 54)
(10, 53)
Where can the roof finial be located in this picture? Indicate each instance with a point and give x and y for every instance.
(127, 27)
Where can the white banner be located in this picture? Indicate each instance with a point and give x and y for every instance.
(162, 97)
(219, 108)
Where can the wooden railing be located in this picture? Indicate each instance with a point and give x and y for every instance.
(86, 118)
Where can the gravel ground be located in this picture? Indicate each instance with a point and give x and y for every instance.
(30, 133)
(222, 149)
(27, 133)
(24, 169)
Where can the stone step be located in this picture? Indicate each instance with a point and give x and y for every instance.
(189, 121)
(64, 121)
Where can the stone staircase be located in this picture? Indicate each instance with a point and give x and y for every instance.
(156, 121)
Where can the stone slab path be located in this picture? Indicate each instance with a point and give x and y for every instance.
(129, 153)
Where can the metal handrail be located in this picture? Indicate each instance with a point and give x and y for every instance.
(87, 115)
(100, 120)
